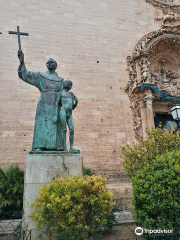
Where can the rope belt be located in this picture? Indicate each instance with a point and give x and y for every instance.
(50, 90)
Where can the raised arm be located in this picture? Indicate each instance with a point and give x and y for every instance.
(27, 76)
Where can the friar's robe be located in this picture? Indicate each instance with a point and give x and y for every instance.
(45, 129)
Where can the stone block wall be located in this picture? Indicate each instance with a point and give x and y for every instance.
(90, 40)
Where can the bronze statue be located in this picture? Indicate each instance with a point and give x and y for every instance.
(66, 103)
(46, 130)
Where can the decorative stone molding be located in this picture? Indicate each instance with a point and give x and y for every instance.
(135, 106)
(145, 73)
(150, 41)
(164, 4)
(148, 97)
(171, 19)
(155, 60)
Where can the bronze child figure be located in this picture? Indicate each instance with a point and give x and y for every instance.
(66, 103)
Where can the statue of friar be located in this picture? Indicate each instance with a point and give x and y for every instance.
(46, 136)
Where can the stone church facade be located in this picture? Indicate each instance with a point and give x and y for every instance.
(108, 48)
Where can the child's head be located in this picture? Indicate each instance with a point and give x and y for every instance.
(67, 84)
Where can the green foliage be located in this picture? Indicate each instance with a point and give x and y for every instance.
(78, 204)
(156, 191)
(17, 234)
(87, 171)
(158, 142)
(111, 219)
(11, 188)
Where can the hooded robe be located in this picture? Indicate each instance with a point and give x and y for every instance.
(46, 131)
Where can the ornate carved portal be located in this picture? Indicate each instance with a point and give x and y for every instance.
(155, 61)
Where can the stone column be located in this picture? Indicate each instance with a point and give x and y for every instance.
(143, 114)
(40, 169)
(148, 99)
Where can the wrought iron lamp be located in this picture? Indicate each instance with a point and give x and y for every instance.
(175, 112)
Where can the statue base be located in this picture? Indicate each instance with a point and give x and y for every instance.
(54, 152)
(40, 169)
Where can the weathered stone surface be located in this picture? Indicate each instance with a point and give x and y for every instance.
(8, 226)
(123, 193)
(124, 217)
(91, 50)
(150, 63)
(40, 170)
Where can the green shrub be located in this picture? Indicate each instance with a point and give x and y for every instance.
(156, 192)
(87, 171)
(111, 220)
(158, 142)
(11, 189)
(79, 205)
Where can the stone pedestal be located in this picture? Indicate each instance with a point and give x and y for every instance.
(40, 169)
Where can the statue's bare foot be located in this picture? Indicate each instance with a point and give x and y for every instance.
(73, 150)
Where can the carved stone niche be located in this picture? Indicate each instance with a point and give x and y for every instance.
(155, 61)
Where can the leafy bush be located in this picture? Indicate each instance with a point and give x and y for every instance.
(158, 142)
(111, 220)
(78, 204)
(11, 189)
(156, 191)
(87, 171)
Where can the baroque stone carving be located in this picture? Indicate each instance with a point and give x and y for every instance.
(163, 4)
(171, 19)
(152, 39)
(155, 60)
(135, 106)
(145, 73)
